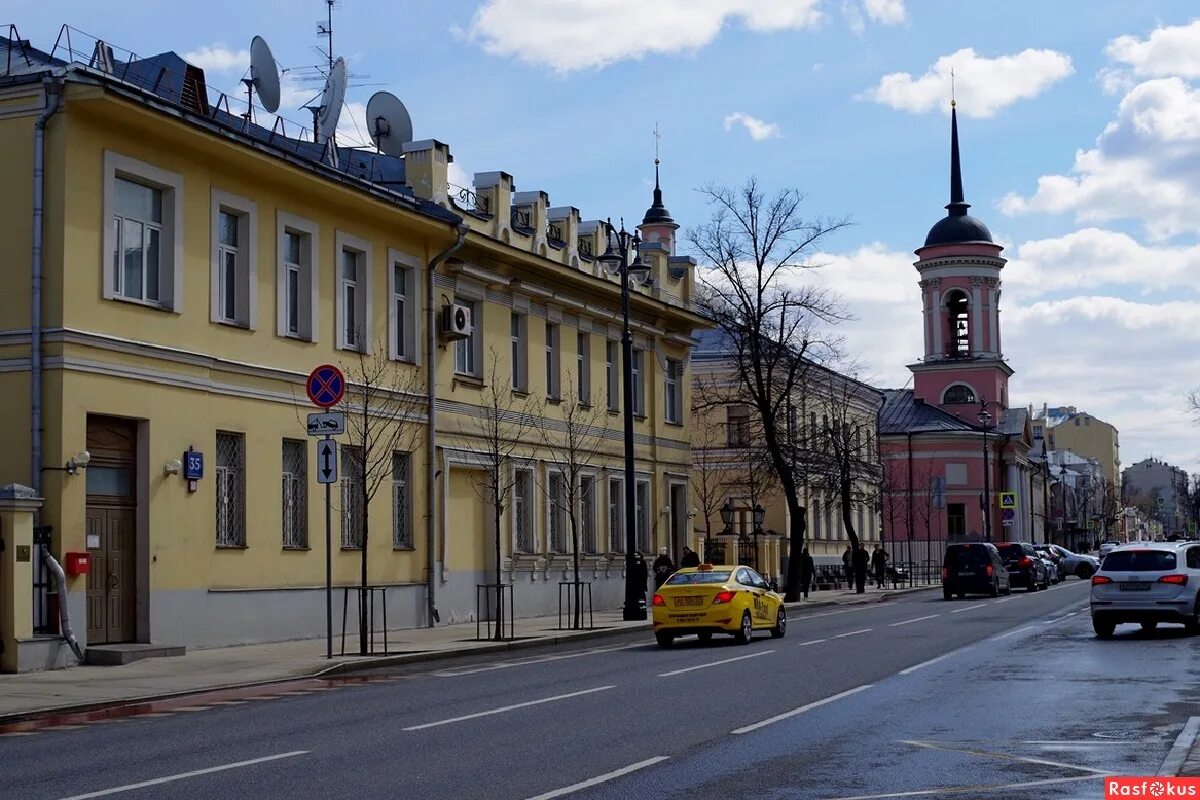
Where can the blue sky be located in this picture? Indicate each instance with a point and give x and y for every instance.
(1080, 127)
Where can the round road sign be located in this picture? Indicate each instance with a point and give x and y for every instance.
(326, 386)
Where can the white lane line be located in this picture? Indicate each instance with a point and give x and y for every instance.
(932, 661)
(802, 709)
(713, 664)
(1013, 633)
(1010, 597)
(911, 621)
(975, 790)
(458, 673)
(608, 776)
(192, 774)
(504, 709)
(968, 608)
(814, 641)
(852, 633)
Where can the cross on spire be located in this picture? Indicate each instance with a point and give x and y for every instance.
(657, 139)
(952, 99)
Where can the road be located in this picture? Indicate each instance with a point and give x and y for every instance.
(911, 698)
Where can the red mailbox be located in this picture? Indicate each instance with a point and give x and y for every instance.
(78, 563)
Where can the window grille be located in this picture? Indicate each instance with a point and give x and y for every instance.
(295, 494)
(352, 502)
(231, 489)
(402, 533)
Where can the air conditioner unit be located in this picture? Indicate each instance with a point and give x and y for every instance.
(456, 321)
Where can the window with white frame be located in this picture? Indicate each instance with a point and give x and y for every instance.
(231, 489)
(641, 512)
(556, 508)
(466, 351)
(815, 516)
(143, 218)
(583, 367)
(404, 309)
(295, 494)
(616, 515)
(351, 496)
(402, 528)
(353, 293)
(296, 290)
(587, 514)
(639, 400)
(520, 352)
(234, 249)
(612, 387)
(672, 392)
(522, 510)
(553, 382)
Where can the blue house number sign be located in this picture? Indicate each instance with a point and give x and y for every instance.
(193, 467)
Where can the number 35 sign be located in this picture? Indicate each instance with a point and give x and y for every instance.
(193, 468)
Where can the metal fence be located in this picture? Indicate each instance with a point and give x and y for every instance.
(43, 619)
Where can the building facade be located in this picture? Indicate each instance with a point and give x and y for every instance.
(1160, 491)
(192, 267)
(1068, 428)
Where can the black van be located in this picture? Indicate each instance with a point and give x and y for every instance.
(975, 568)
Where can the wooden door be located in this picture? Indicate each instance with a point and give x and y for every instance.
(110, 583)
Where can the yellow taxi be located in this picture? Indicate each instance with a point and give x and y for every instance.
(712, 599)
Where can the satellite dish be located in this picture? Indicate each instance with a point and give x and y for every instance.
(264, 75)
(331, 101)
(389, 123)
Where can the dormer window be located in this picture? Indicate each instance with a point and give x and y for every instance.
(584, 246)
(522, 219)
(554, 232)
(958, 310)
(958, 394)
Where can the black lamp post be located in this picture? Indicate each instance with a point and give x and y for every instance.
(714, 553)
(625, 259)
(1045, 492)
(985, 421)
(759, 515)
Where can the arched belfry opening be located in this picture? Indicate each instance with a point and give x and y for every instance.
(958, 314)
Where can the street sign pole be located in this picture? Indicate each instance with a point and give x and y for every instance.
(325, 387)
(328, 577)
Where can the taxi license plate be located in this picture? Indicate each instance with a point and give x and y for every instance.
(1134, 586)
(689, 601)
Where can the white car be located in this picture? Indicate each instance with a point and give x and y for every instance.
(1147, 583)
(1108, 547)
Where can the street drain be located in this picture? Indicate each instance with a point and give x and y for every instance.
(1118, 734)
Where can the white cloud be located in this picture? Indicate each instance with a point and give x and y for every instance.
(1172, 50)
(1092, 257)
(1143, 166)
(757, 129)
(983, 85)
(853, 15)
(218, 58)
(886, 12)
(571, 35)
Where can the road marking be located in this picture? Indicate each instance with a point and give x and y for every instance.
(911, 621)
(504, 709)
(713, 664)
(814, 641)
(1010, 597)
(971, 789)
(1004, 757)
(458, 673)
(852, 633)
(180, 776)
(608, 776)
(801, 709)
(1013, 633)
(932, 661)
(968, 608)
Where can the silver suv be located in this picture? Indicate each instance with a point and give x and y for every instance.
(1147, 583)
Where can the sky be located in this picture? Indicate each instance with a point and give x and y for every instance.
(1079, 124)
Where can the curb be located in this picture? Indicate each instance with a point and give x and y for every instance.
(1179, 752)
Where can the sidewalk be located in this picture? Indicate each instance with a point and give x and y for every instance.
(83, 687)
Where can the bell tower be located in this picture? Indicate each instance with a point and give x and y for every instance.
(959, 267)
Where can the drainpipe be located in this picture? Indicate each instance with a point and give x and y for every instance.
(53, 89)
(64, 619)
(430, 412)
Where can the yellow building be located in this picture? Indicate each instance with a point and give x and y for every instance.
(1089, 436)
(195, 267)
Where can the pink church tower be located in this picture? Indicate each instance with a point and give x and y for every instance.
(960, 289)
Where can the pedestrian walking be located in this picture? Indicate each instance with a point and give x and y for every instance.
(862, 561)
(806, 571)
(879, 565)
(690, 558)
(848, 566)
(663, 567)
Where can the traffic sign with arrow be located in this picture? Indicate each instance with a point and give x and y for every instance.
(327, 461)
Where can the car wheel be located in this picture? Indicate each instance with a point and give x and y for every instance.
(1084, 571)
(1103, 627)
(995, 590)
(780, 624)
(1193, 624)
(705, 637)
(1032, 587)
(947, 594)
(746, 630)
(1149, 625)
(664, 639)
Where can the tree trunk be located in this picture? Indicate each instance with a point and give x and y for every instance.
(796, 530)
(577, 590)
(499, 586)
(362, 594)
(845, 489)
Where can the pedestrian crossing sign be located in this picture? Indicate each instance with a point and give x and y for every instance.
(1191, 527)
(1008, 499)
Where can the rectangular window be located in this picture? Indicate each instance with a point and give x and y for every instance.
(612, 387)
(234, 260)
(137, 247)
(956, 520)
(231, 489)
(583, 368)
(292, 271)
(815, 516)
(553, 383)
(520, 372)
(616, 515)
(401, 281)
(642, 515)
(738, 426)
(295, 494)
(522, 510)
(352, 330)
(587, 514)
(142, 227)
(227, 265)
(351, 497)
(296, 306)
(402, 529)
(556, 528)
(672, 394)
(465, 349)
(639, 400)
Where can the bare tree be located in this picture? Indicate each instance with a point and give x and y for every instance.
(384, 419)
(712, 462)
(754, 249)
(502, 428)
(579, 445)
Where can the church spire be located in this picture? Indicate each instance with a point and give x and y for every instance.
(657, 214)
(958, 205)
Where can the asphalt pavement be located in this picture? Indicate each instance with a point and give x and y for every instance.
(916, 697)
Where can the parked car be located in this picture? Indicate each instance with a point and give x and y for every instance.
(716, 599)
(1107, 547)
(1025, 567)
(974, 567)
(1059, 569)
(1052, 569)
(1147, 583)
(1084, 566)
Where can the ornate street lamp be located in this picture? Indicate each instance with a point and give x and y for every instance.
(622, 256)
(985, 422)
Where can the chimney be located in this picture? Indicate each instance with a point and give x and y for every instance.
(566, 220)
(497, 188)
(426, 169)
